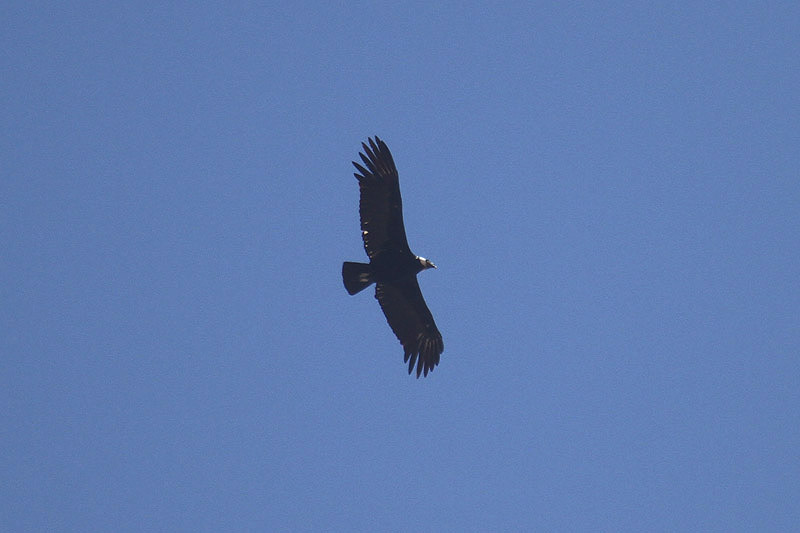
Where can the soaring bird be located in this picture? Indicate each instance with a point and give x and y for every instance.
(392, 266)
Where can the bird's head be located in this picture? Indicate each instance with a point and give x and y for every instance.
(425, 263)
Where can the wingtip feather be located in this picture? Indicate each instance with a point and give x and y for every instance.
(364, 171)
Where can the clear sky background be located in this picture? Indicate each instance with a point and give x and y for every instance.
(611, 192)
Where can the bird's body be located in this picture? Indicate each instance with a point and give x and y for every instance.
(392, 266)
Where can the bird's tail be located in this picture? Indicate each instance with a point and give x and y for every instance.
(356, 276)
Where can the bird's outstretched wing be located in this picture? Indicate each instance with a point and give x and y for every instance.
(380, 207)
(412, 323)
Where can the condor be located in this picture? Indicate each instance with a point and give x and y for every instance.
(392, 266)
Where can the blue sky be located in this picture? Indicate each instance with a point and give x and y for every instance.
(611, 192)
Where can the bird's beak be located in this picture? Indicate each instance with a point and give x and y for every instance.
(434, 266)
